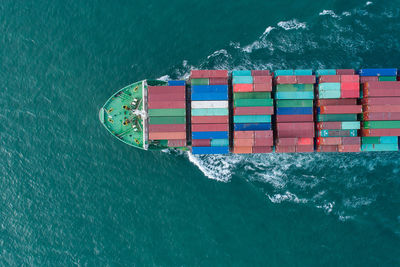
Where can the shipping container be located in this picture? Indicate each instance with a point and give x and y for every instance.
(337, 133)
(210, 112)
(243, 134)
(332, 102)
(340, 109)
(329, 79)
(167, 127)
(201, 142)
(293, 103)
(381, 125)
(201, 81)
(220, 142)
(283, 73)
(242, 150)
(241, 73)
(209, 96)
(253, 111)
(210, 150)
(260, 73)
(326, 72)
(156, 90)
(167, 120)
(268, 102)
(218, 81)
(209, 104)
(303, 72)
(177, 83)
(345, 72)
(167, 112)
(209, 74)
(379, 147)
(210, 119)
(294, 111)
(251, 118)
(380, 132)
(262, 149)
(350, 79)
(166, 135)
(243, 142)
(262, 87)
(387, 78)
(378, 72)
(294, 118)
(262, 79)
(307, 79)
(264, 141)
(242, 79)
(380, 116)
(166, 104)
(349, 148)
(336, 117)
(210, 135)
(364, 79)
(205, 127)
(294, 87)
(381, 101)
(243, 87)
(381, 108)
(177, 143)
(252, 126)
(199, 89)
(166, 97)
(286, 79)
(253, 95)
(294, 95)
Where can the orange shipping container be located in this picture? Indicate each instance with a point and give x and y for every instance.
(242, 149)
(243, 142)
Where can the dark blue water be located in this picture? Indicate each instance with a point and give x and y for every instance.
(71, 194)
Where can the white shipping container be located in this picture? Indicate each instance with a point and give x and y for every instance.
(210, 104)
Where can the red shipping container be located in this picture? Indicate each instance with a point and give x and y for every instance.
(329, 79)
(243, 87)
(329, 140)
(329, 125)
(166, 135)
(383, 85)
(349, 94)
(262, 79)
(262, 149)
(289, 79)
(262, 87)
(305, 141)
(286, 141)
(286, 132)
(263, 134)
(243, 142)
(260, 73)
(242, 149)
(350, 79)
(304, 148)
(218, 81)
(243, 134)
(264, 141)
(332, 102)
(295, 118)
(295, 126)
(327, 148)
(381, 92)
(351, 140)
(285, 149)
(166, 104)
(196, 74)
(212, 127)
(345, 71)
(381, 116)
(218, 74)
(167, 128)
(380, 132)
(166, 97)
(381, 108)
(345, 109)
(177, 143)
(253, 111)
(155, 90)
(210, 119)
(349, 148)
(381, 101)
(353, 86)
(306, 79)
(201, 142)
(364, 79)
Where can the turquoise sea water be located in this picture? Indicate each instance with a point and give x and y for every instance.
(71, 194)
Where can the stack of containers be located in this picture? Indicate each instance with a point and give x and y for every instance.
(337, 110)
(210, 112)
(381, 110)
(167, 114)
(252, 111)
(294, 111)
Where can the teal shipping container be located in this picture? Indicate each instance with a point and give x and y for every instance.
(351, 125)
(283, 72)
(302, 72)
(294, 87)
(329, 86)
(294, 95)
(251, 118)
(379, 147)
(326, 72)
(242, 79)
(337, 117)
(323, 94)
(241, 73)
(219, 142)
(210, 112)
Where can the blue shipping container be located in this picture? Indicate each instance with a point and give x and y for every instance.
(283, 72)
(378, 72)
(389, 140)
(210, 150)
(302, 72)
(209, 96)
(241, 73)
(210, 135)
(198, 89)
(242, 79)
(252, 126)
(177, 83)
(294, 111)
(326, 72)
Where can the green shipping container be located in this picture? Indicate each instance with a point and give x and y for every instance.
(210, 112)
(167, 120)
(294, 103)
(382, 124)
(387, 78)
(252, 95)
(351, 125)
(219, 142)
(251, 118)
(336, 117)
(203, 81)
(167, 112)
(371, 140)
(294, 87)
(268, 102)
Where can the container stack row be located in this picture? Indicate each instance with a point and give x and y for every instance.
(337, 111)
(294, 120)
(167, 114)
(381, 110)
(209, 112)
(252, 111)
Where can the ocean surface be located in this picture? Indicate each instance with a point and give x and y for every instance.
(73, 195)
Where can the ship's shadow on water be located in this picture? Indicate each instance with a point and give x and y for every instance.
(348, 186)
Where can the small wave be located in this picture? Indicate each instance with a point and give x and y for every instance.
(293, 24)
(287, 196)
(164, 78)
(218, 53)
(368, 3)
(328, 12)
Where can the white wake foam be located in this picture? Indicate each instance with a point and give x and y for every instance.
(293, 24)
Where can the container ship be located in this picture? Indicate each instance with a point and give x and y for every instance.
(259, 111)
